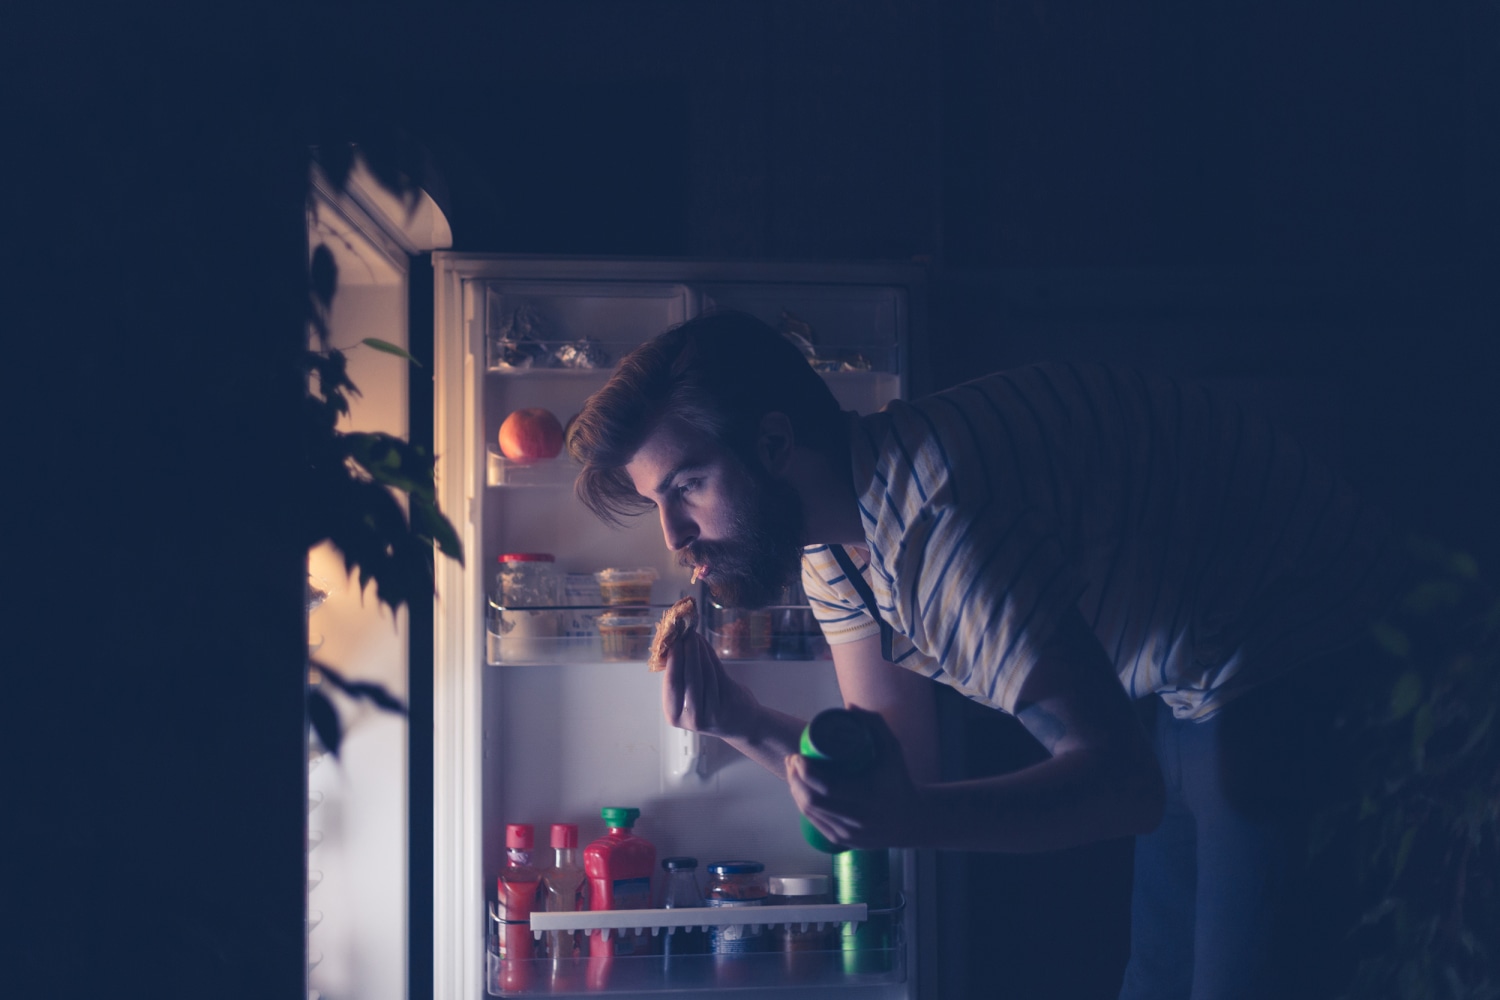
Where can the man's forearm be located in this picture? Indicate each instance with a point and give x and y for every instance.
(769, 738)
(1077, 798)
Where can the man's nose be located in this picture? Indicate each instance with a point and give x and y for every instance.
(678, 531)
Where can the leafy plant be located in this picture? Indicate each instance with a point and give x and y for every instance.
(350, 499)
(1425, 824)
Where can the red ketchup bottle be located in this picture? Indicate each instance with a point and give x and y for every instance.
(516, 896)
(619, 866)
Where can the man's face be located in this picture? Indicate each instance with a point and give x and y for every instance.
(740, 524)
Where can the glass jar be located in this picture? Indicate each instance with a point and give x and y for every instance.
(679, 891)
(529, 589)
(735, 884)
(737, 634)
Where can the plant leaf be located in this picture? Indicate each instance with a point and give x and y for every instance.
(1406, 694)
(325, 720)
(1422, 726)
(1464, 565)
(365, 690)
(322, 275)
(386, 347)
(1392, 639)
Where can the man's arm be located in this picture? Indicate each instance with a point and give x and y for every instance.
(903, 698)
(1102, 780)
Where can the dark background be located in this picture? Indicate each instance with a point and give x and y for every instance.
(1302, 193)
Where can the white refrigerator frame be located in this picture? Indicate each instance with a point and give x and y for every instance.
(458, 649)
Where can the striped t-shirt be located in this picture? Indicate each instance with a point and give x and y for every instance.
(1207, 552)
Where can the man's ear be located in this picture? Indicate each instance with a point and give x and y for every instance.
(774, 442)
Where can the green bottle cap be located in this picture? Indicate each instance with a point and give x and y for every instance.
(620, 817)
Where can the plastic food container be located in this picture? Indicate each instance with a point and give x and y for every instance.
(626, 636)
(626, 587)
(798, 890)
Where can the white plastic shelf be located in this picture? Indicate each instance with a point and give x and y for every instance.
(817, 915)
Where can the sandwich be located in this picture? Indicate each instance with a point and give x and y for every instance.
(675, 623)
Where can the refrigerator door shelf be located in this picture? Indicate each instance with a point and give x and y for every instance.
(799, 974)
(585, 356)
(552, 473)
(597, 359)
(847, 963)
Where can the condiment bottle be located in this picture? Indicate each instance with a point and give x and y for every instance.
(619, 866)
(564, 889)
(516, 896)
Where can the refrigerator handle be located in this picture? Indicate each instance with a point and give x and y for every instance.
(682, 756)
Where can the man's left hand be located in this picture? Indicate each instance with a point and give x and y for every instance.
(876, 808)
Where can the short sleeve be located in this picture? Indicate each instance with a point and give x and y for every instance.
(834, 602)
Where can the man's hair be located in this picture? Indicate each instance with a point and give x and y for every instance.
(721, 373)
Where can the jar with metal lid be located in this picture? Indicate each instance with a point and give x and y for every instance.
(802, 890)
(736, 884)
(528, 591)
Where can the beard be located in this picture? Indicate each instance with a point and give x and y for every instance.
(764, 554)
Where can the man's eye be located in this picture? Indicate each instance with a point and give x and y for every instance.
(689, 486)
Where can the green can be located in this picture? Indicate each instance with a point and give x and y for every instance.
(840, 737)
(865, 877)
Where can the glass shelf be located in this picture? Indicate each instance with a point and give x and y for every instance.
(773, 641)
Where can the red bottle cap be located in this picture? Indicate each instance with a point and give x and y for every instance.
(564, 835)
(518, 836)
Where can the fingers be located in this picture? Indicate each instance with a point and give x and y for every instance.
(692, 685)
(810, 793)
(673, 685)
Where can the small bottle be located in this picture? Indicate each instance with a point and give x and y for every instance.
(680, 891)
(516, 896)
(564, 889)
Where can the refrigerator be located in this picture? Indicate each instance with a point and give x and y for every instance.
(543, 725)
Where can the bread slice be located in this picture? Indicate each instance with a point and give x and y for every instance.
(675, 623)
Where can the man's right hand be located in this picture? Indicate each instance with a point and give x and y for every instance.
(699, 695)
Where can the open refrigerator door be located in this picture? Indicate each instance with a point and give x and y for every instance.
(545, 712)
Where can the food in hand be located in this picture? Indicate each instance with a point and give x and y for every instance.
(531, 435)
(675, 624)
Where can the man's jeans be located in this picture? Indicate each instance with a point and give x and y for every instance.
(1223, 904)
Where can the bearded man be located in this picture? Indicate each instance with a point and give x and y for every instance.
(1056, 542)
